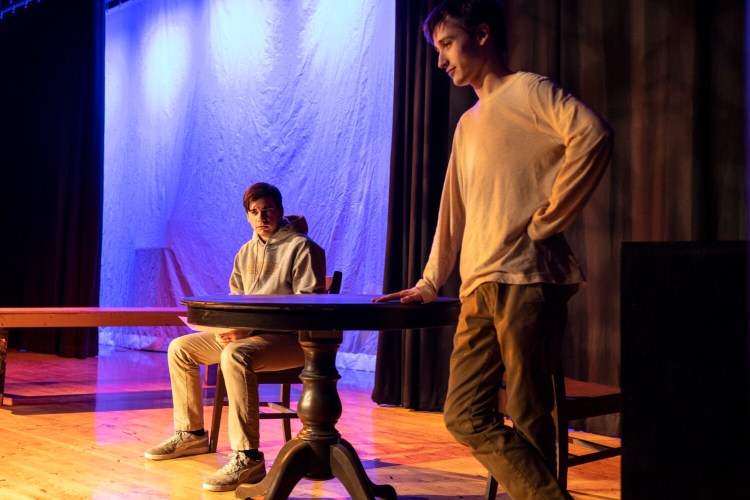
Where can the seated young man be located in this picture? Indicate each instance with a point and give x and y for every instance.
(279, 259)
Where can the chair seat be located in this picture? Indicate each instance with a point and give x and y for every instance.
(290, 376)
(587, 399)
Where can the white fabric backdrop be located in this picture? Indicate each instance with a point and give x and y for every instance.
(204, 98)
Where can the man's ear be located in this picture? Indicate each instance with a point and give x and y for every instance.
(482, 33)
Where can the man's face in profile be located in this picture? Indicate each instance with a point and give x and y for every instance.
(264, 216)
(459, 53)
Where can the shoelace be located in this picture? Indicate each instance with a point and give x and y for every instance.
(235, 463)
(180, 436)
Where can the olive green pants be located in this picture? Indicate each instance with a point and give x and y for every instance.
(514, 331)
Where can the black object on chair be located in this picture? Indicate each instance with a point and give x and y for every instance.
(576, 399)
(285, 378)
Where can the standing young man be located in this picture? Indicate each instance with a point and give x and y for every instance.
(279, 259)
(525, 160)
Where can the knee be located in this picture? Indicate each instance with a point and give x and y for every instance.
(177, 349)
(471, 426)
(458, 424)
(459, 432)
(235, 356)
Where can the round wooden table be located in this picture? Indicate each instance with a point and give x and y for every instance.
(318, 452)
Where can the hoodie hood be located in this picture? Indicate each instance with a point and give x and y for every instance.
(289, 262)
(288, 226)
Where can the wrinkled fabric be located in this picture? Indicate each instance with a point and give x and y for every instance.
(204, 98)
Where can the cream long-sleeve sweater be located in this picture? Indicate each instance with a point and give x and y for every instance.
(525, 160)
(289, 262)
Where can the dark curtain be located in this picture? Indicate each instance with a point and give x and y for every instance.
(51, 133)
(411, 365)
(670, 78)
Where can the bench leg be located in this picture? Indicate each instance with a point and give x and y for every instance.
(3, 355)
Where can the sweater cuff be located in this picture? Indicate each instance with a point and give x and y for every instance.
(426, 290)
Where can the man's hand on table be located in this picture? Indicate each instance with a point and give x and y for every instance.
(404, 296)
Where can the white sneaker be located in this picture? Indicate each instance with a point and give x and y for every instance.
(181, 444)
(238, 470)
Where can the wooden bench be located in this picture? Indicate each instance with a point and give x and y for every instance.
(66, 317)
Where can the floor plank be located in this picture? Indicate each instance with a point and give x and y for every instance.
(77, 428)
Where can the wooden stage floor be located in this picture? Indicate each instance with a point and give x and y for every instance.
(77, 429)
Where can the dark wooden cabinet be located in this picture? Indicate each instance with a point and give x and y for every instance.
(685, 373)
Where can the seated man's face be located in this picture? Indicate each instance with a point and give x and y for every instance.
(264, 216)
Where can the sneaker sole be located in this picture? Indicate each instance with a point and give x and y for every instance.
(231, 487)
(182, 453)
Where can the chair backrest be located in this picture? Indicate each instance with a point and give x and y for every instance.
(333, 282)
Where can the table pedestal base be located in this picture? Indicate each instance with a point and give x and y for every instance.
(297, 458)
(318, 452)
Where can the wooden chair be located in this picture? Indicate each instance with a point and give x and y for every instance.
(284, 378)
(576, 399)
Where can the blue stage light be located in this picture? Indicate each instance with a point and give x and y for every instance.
(205, 97)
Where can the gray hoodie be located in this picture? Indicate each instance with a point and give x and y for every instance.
(289, 262)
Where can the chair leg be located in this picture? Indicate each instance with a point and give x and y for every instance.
(561, 427)
(286, 423)
(491, 490)
(219, 394)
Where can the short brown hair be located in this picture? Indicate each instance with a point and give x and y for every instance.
(261, 190)
(469, 14)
